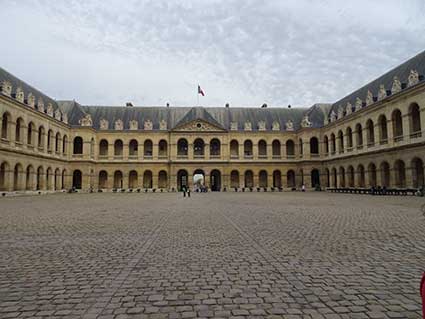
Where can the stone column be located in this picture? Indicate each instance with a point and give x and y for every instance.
(269, 180)
(241, 151)
(406, 128)
(409, 171)
(207, 151)
(125, 150)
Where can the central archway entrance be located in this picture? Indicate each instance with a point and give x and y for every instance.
(215, 180)
(182, 179)
(198, 179)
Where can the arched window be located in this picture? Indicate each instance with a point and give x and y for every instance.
(372, 175)
(370, 130)
(215, 148)
(290, 148)
(198, 148)
(397, 125)
(29, 180)
(276, 149)
(385, 174)
(77, 179)
(78, 145)
(340, 142)
(334, 177)
(249, 179)
(234, 179)
(162, 149)
(147, 179)
(262, 178)
(359, 135)
(383, 130)
(417, 172)
(118, 148)
(315, 178)
(49, 140)
(182, 147)
(4, 168)
(103, 148)
(17, 177)
(314, 146)
(350, 176)
(349, 134)
(18, 129)
(290, 178)
(162, 179)
(361, 176)
(133, 148)
(234, 149)
(65, 144)
(103, 179)
(341, 177)
(57, 142)
(132, 179)
(41, 137)
(262, 149)
(415, 120)
(247, 145)
(118, 182)
(5, 126)
(400, 174)
(277, 179)
(148, 149)
(30, 133)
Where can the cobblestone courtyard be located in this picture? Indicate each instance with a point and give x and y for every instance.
(221, 255)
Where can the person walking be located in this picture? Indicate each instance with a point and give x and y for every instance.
(184, 190)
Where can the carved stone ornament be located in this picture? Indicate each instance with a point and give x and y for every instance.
(247, 126)
(119, 125)
(396, 85)
(340, 112)
(359, 104)
(305, 121)
(20, 95)
(348, 109)
(104, 124)
(163, 125)
(65, 118)
(289, 125)
(369, 98)
(40, 105)
(31, 100)
(276, 126)
(148, 125)
(233, 126)
(333, 116)
(261, 125)
(58, 114)
(6, 88)
(134, 125)
(382, 94)
(413, 78)
(86, 120)
(49, 109)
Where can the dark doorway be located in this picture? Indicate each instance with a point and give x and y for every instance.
(182, 179)
(76, 179)
(215, 180)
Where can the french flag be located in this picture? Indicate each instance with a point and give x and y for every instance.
(200, 91)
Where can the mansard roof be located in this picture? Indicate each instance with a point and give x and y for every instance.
(417, 63)
(221, 117)
(26, 88)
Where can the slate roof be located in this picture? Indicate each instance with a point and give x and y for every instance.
(178, 116)
(26, 88)
(402, 72)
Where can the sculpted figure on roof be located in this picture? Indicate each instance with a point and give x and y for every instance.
(262, 125)
(340, 112)
(382, 94)
(359, 104)
(148, 125)
(49, 109)
(413, 78)
(233, 126)
(6, 88)
(40, 105)
(20, 95)
(333, 116)
(58, 114)
(31, 100)
(396, 85)
(305, 121)
(163, 125)
(348, 109)
(86, 120)
(289, 125)
(248, 126)
(119, 125)
(134, 125)
(103, 124)
(275, 126)
(369, 98)
(65, 118)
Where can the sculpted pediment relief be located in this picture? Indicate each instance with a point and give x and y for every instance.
(198, 125)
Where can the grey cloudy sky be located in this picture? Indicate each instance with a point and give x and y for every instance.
(245, 52)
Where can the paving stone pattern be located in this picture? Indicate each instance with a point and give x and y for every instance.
(216, 255)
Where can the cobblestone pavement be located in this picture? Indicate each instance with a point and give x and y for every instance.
(221, 255)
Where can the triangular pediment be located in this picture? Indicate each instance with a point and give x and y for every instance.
(198, 125)
(198, 119)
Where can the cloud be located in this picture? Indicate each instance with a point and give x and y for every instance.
(242, 52)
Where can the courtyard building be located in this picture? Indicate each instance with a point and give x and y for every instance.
(372, 137)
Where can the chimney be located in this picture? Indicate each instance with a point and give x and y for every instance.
(289, 106)
(264, 106)
(128, 104)
(227, 105)
(168, 104)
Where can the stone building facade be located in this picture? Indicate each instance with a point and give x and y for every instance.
(372, 137)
